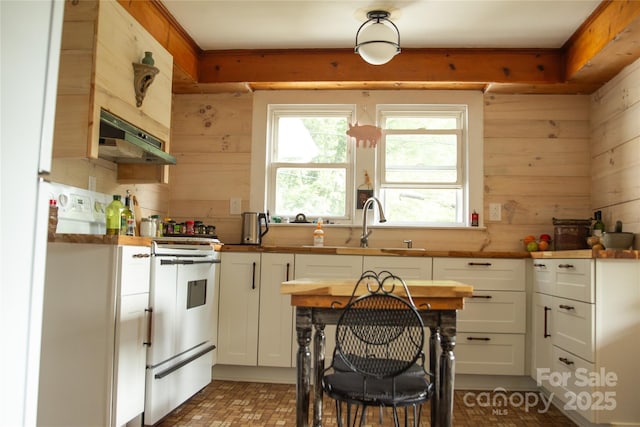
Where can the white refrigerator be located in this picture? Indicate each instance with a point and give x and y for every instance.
(30, 50)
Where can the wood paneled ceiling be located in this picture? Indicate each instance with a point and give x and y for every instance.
(606, 42)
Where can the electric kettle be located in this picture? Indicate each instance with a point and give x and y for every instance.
(252, 229)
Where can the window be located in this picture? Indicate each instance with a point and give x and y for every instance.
(422, 157)
(310, 163)
(427, 170)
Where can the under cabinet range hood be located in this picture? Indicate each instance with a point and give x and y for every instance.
(122, 142)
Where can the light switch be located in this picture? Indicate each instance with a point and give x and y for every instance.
(235, 206)
(495, 212)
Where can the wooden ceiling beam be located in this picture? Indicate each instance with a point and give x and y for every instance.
(412, 65)
(605, 43)
(602, 46)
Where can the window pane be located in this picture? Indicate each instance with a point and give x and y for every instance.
(314, 192)
(421, 158)
(422, 205)
(311, 140)
(423, 122)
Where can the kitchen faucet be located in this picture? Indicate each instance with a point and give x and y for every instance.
(364, 239)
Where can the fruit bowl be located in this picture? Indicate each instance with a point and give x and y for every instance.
(619, 240)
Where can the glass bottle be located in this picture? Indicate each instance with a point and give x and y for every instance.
(598, 226)
(127, 218)
(114, 215)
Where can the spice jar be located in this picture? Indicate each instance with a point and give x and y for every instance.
(147, 227)
(189, 227)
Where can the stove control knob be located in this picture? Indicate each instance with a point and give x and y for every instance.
(63, 200)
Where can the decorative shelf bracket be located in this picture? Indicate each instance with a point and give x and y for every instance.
(143, 76)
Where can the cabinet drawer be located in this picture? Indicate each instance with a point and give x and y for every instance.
(482, 273)
(489, 354)
(493, 311)
(544, 276)
(572, 327)
(407, 268)
(134, 269)
(569, 381)
(574, 279)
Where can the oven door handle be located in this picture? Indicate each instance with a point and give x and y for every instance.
(174, 368)
(187, 261)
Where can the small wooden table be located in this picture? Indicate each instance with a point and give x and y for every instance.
(319, 302)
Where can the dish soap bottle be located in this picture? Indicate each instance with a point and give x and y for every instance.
(113, 213)
(318, 234)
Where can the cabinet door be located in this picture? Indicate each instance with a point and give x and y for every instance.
(131, 329)
(238, 309)
(276, 314)
(573, 327)
(542, 315)
(131, 360)
(493, 311)
(544, 276)
(482, 273)
(489, 354)
(575, 279)
(405, 267)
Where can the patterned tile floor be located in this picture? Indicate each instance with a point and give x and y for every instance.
(240, 404)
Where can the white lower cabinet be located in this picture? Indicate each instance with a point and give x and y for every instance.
(276, 314)
(254, 319)
(238, 308)
(326, 266)
(93, 359)
(491, 328)
(585, 336)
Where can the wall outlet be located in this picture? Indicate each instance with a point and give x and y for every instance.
(495, 212)
(92, 183)
(235, 206)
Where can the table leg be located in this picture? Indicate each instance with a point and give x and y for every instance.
(303, 365)
(447, 368)
(318, 348)
(434, 368)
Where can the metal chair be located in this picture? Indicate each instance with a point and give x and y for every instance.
(378, 359)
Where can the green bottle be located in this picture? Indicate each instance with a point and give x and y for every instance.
(598, 226)
(113, 213)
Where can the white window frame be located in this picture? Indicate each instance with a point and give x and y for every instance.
(365, 159)
(460, 112)
(277, 111)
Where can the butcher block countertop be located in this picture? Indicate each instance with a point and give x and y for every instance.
(343, 250)
(100, 239)
(588, 253)
(326, 293)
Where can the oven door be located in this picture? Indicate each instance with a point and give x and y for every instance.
(194, 304)
(182, 294)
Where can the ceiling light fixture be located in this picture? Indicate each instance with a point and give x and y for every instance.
(378, 39)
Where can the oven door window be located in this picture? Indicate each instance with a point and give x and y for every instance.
(196, 293)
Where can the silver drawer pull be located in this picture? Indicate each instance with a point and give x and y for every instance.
(140, 255)
(567, 307)
(565, 361)
(566, 266)
(540, 265)
(482, 296)
(478, 339)
(483, 264)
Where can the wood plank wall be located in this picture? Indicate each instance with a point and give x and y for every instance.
(537, 165)
(615, 150)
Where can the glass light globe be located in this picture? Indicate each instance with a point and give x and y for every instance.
(384, 43)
